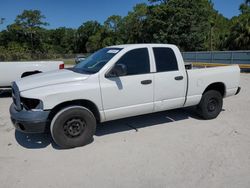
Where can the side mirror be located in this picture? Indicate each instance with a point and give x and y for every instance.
(117, 70)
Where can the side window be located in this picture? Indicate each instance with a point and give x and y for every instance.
(165, 59)
(136, 61)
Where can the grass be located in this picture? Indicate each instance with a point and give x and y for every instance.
(242, 66)
(69, 61)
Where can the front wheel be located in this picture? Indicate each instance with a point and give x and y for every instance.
(210, 105)
(73, 126)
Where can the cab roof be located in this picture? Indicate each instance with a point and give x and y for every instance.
(142, 45)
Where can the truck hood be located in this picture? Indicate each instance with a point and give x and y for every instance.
(49, 78)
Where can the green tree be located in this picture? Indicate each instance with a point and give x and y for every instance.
(239, 38)
(192, 25)
(30, 19)
(61, 40)
(113, 23)
(94, 42)
(112, 31)
(245, 7)
(158, 1)
(134, 26)
(219, 31)
(184, 23)
(84, 32)
(27, 28)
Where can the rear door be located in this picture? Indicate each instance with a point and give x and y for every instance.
(132, 94)
(170, 82)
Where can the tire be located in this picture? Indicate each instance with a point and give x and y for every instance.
(73, 126)
(210, 105)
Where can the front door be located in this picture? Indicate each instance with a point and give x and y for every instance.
(131, 94)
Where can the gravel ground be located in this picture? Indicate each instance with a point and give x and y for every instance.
(168, 149)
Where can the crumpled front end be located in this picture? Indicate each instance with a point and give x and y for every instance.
(27, 115)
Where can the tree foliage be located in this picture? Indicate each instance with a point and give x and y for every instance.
(239, 38)
(184, 23)
(192, 25)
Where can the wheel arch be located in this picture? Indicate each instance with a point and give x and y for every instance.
(29, 73)
(81, 102)
(218, 86)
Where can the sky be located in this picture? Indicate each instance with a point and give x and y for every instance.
(66, 13)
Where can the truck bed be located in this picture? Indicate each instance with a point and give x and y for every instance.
(200, 78)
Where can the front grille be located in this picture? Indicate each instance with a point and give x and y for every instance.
(16, 96)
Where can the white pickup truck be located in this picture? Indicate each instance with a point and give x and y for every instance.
(11, 71)
(117, 82)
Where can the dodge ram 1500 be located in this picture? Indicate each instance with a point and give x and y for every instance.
(117, 82)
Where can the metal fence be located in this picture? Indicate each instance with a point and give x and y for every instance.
(219, 57)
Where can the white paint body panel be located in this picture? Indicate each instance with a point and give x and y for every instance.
(200, 79)
(125, 96)
(11, 71)
(168, 92)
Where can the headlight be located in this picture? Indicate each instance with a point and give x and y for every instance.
(31, 104)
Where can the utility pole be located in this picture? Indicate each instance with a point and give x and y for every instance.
(211, 35)
(2, 20)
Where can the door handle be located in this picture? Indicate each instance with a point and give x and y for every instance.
(179, 78)
(146, 82)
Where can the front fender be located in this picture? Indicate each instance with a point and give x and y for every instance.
(54, 95)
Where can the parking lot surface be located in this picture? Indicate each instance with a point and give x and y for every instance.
(168, 149)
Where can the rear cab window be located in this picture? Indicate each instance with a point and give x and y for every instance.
(165, 59)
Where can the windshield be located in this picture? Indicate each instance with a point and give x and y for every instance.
(96, 61)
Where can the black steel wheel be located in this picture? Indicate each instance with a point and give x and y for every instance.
(210, 105)
(73, 126)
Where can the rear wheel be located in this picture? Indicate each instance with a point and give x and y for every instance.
(73, 126)
(210, 105)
